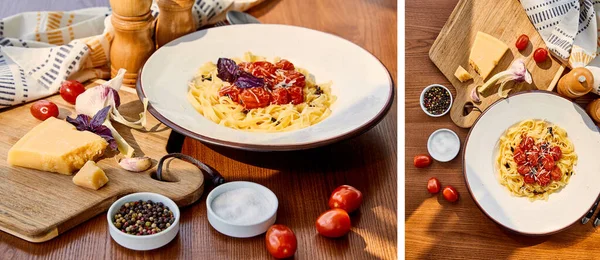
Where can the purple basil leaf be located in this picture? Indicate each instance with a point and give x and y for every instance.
(105, 133)
(228, 70)
(100, 117)
(81, 122)
(247, 80)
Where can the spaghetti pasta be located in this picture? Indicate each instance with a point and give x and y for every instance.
(205, 97)
(526, 159)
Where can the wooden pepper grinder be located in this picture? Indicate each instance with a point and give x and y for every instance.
(133, 43)
(576, 83)
(175, 19)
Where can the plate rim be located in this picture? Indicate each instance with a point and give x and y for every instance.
(466, 179)
(268, 148)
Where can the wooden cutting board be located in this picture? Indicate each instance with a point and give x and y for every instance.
(505, 20)
(38, 206)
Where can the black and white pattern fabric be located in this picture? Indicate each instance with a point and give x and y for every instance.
(569, 27)
(39, 50)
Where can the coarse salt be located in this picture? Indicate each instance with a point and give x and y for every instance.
(241, 206)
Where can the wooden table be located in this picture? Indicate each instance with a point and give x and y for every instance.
(435, 228)
(301, 180)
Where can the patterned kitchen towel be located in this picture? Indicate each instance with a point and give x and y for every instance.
(39, 50)
(569, 27)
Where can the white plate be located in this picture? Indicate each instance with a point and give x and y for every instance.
(361, 83)
(518, 213)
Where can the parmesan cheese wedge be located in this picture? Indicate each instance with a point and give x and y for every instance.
(486, 53)
(90, 176)
(462, 74)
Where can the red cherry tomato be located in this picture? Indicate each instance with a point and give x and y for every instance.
(556, 174)
(255, 97)
(434, 185)
(262, 69)
(523, 169)
(556, 153)
(296, 94)
(543, 177)
(280, 96)
(281, 241)
(284, 65)
(345, 197)
(232, 92)
(522, 42)
(540, 55)
(527, 143)
(333, 223)
(70, 89)
(528, 178)
(519, 157)
(422, 160)
(548, 162)
(44, 109)
(450, 193)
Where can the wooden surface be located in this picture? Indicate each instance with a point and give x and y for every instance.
(37, 206)
(436, 229)
(301, 180)
(505, 20)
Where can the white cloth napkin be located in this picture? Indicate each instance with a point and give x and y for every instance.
(569, 27)
(39, 50)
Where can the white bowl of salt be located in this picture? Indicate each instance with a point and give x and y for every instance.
(241, 209)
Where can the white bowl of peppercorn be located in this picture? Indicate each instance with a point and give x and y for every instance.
(436, 100)
(143, 221)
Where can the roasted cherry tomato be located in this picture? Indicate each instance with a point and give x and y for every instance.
(433, 185)
(556, 153)
(291, 77)
(43, 109)
(296, 94)
(333, 223)
(519, 157)
(255, 97)
(522, 42)
(70, 89)
(527, 143)
(284, 65)
(345, 197)
(422, 160)
(523, 169)
(540, 55)
(450, 193)
(280, 96)
(232, 92)
(528, 178)
(556, 174)
(281, 241)
(262, 69)
(543, 177)
(548, 162)
(532, 157)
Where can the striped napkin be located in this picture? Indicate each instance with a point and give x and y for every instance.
(569, 27)
(39, 50)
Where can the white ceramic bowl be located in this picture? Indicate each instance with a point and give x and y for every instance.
(361, 83)
(423, 96)
(562, 208)
(147, 242)
(443, 157)
(237, 230)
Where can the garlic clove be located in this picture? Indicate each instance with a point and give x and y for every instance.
(475, 95)
(136, 164)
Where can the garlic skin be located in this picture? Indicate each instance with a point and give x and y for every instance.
(136, 164)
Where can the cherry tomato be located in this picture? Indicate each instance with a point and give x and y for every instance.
(70, 89)
(281, 241)
(422, 160)
(255, 97)
(232, 92)
(522, 42)
(291, 77)
(556, 153)
(284, 65)
(43, 110)
(296, 94)
(548, 162)
(520, 157)
(333, 223)
(450, 193)
(527, 143)
(523, 169)
(540, 55)
(543, 177)
(556, 174)
(262, 69)
(528, 178)
(345, 197)
(280, 96)
(532, 157)
(433, 185)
